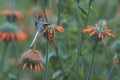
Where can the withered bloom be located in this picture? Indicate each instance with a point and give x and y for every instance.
(98, 32)
(31, 59)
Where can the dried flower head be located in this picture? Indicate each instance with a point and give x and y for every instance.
(31, 59)
(98, 32)
(11, 32)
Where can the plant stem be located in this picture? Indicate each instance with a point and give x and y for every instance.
(43, 7)
(80, 40)
(59, 12)
(89, 9)
(58, 23)
(46, 65)
(3, 56)
(91, 65)
(14, 46)
(110, 73)
(50, 11)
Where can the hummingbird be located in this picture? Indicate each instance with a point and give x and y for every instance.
(39, 24)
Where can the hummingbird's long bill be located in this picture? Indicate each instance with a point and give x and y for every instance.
(34, 39)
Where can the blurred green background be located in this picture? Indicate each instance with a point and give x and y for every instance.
(65, 67)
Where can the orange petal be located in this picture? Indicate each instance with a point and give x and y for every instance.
(110, 34)
(19, 63)
(92, 33)
(99, 35)
(59, 28)
(24, 66)
(102, 37)
(31, 68)
(5, 12)
(44, 30)
(36, 68)
(41, 66)
(30, 12)
(18, 14)
(21, 36)
(3, 36)
(12, 36)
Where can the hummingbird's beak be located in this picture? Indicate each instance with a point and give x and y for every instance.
(34, 39)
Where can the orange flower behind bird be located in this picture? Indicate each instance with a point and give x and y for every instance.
(38, 14)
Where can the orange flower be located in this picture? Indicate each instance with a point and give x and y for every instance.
(11, 36)
(31, 59)
(21, 36)
(98, 32)
(18, 14)
(10, 32)
(59, 28)
(39, 14)
(50, 31)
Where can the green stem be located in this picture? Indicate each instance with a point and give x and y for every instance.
(110, 73)
(43, 7)
(46, 65)
(3, 56)
(14, 46)
(59, 12)
(91, 65)
(50, 11)
(118, 71)
(89, 9)
(80, 41)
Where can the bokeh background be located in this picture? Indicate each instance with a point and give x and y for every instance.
(63, 65)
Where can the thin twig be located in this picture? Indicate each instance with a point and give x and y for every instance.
(92, 61)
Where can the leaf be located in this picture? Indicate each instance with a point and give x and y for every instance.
(57, 73)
